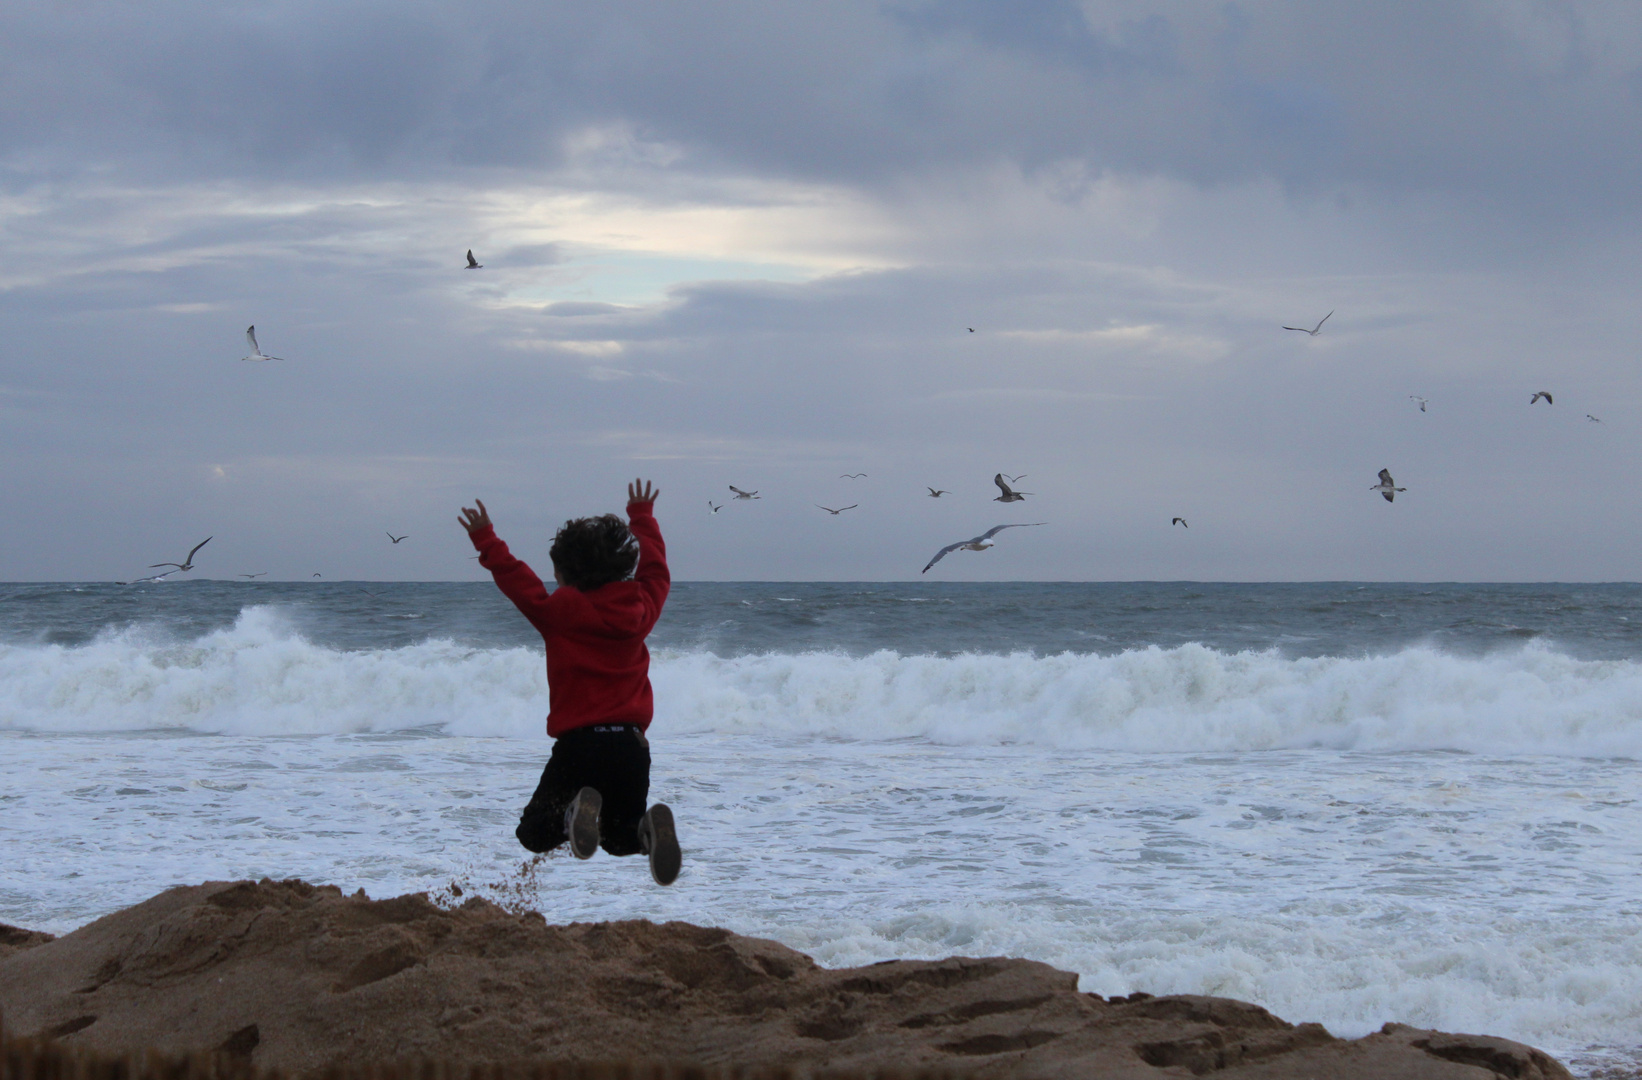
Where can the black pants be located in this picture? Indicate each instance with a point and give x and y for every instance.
(612, 759)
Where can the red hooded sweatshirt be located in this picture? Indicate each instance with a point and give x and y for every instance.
(598, 670)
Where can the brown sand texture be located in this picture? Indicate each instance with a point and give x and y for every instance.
(301, 979)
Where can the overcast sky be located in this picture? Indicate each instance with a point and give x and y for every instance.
(742, 243)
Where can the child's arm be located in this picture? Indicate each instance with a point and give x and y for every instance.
(652, 576)
(517, 581)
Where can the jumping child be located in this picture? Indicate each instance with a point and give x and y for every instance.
(597, 779)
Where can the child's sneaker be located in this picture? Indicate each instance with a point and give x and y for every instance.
(581, 822)
(659, 840)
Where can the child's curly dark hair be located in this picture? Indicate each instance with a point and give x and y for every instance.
(593, 551)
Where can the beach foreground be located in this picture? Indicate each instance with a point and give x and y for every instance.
(300, 977)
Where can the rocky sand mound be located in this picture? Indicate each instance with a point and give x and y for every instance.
(299, 977)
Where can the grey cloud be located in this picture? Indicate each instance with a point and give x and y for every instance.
(1449, 98)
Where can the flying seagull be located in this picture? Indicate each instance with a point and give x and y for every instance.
(840, 510)
(186, 564)
(1178, 521)
(253, 577)
(714, 509)
(936, 493)
(1314, 331)
(1009, 494)
(971, 329)
(1387, 486)
(396, 539)
(1418, 398)
(743, 494)
(473, 264)
(851, 475)
(978, 543)
(1593, 419)
(1546, 394)
(256, 350)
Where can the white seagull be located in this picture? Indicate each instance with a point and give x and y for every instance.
(743, 494)
(978, 543)
(473, 264)
(186, 564)
(1178, 521)
(1593, 419)
(256, 350)
(1418, 398)
(396, 539)
(1546, 394)
(838, 511)
(1387, 486)
(936, 493)
(253, 577)
(851, 476)
(1314, 331)
(1009, 494)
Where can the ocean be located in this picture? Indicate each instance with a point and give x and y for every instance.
(1348, 803)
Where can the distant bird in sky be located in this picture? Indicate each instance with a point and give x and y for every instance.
(186, 564)
(743, 494)
(971, 329)
(714, 509)
(253, 577)
(838, 511)
(396, 539)
(978, 543)
(1593, 419)
(936, 493)
(256, 350)
(319, 575)
(852, 476)
(1546, 394)
(1387, 486)
(1314, 331)
(1418, 398)
(473, 264)
(1009, 494)
(1013, 479)
(1178, 521)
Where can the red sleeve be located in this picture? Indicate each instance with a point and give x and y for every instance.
(652, 576)
(517, 581)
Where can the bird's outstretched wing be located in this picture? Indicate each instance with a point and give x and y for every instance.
(1003, 487)
(1321, 321)
(195, 548)
(473, 264)
(1390, 494)
(1385, 476)
(251, 336)
(939, 555)
(996, 529)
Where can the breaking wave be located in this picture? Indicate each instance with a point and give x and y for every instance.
(261, 676)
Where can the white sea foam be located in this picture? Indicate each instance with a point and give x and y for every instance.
(261, 676)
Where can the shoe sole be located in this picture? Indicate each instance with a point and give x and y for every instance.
(665, 858)
(584, 823)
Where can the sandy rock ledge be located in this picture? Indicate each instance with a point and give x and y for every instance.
(299, 977)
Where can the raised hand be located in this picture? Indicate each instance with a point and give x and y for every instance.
(474, 520)
(636, 493)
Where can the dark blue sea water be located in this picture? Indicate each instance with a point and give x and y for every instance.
(933, 618)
